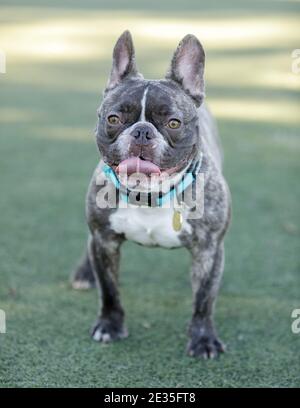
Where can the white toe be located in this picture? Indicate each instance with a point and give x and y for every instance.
(97, 335)
(81, 285)
(106, 338)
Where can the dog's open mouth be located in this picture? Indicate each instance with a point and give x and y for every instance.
(137, 165)
(140, 165)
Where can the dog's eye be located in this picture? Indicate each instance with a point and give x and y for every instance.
(113, 120)
(174, 124)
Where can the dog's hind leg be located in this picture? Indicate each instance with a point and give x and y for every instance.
(83, 277)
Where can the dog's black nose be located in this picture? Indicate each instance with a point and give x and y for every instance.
(143, 134)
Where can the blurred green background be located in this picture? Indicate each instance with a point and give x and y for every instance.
(58, 57)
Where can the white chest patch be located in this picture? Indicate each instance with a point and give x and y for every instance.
(148, 226)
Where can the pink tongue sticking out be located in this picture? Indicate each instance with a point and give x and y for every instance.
(136, 165)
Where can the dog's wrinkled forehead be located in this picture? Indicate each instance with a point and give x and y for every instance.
(142, 99)
(126, 98)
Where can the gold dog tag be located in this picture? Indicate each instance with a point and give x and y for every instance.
(177, 220)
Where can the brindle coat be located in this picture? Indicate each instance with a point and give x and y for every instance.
(181, 95)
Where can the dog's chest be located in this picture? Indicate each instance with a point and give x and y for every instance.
(148, 226)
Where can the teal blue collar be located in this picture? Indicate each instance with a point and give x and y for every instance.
(187, 179)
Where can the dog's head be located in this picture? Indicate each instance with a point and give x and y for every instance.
(151, 126)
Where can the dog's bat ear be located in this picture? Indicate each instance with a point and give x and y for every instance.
(124, 65)
(187, 67)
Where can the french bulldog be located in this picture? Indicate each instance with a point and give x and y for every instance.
(156, 127)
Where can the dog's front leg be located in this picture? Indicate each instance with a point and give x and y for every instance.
(104, 254)
(207, 268)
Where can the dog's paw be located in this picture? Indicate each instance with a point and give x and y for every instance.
(206, 347)
(80, 281)
(83, 277)
(106, 331)
(82, 284)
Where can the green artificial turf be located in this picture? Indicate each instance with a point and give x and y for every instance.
(48, 101)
